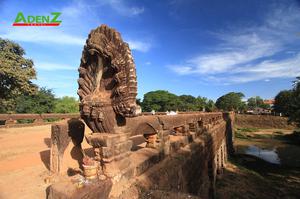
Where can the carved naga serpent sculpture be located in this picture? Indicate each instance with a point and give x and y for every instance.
(107, 81)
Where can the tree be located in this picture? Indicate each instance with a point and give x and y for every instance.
(294, 114)
(138, 101)
(42, 101)
(210, 106)
(66, 105)
(160, 100)
(254, 102)
(188, 103)
(230, 102)
(265, 106)
(288, 102)
(203, 102)
(16, 73)
(283, 101)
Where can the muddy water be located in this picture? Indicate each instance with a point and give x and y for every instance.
(271, 150)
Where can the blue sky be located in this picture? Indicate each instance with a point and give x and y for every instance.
(204, 47)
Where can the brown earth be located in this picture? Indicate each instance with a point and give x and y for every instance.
(262, 121)
(24, 162)
(249, 177)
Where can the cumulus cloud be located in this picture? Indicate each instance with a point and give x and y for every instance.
(39, 35)
(53, 66)
(139, 45)
(251, 53)
(68, 33)
(123, 8)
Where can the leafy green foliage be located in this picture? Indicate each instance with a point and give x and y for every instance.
(265, 106)
(248, 129)
(40, 102)
(161, 100)
(16, 73)
(255, 102)
(210, 106)
(294, 114)
(66, 105)
(231, 102)
(138, 101)
(288, 102)
(283, 101)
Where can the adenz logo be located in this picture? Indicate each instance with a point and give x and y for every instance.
(31, 20)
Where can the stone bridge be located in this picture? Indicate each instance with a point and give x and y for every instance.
(134, 153)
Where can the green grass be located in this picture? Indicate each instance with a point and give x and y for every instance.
(248, 129)
(249, 133)
(242, 133)
(25, 121)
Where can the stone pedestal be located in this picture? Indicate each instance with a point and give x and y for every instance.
(61, 135)
(112, 151)
(59, 142)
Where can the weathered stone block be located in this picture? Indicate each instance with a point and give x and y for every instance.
(106, 139)
(61, 135)
(122, 147)
(107, 152)
(69, 190)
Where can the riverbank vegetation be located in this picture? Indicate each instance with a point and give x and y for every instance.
(251, 173)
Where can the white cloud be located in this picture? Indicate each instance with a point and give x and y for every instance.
(248, 53)
(139, 45)
(268, 69)
(50, 35)
(122, 7)
(53, 66)
(65, 34)
(68, 32)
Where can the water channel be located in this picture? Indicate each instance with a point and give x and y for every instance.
(271, 150)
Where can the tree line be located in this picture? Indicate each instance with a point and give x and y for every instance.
(162, 101)
(18, 94)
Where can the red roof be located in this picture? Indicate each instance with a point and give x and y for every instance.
(269, 101)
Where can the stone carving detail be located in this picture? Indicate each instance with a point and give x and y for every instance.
(107, 81)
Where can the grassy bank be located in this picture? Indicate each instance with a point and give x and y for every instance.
(279, 134)
(247, 176)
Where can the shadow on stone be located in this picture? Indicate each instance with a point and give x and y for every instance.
(45, 157)
(47, 141)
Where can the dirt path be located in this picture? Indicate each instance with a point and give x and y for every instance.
(24, 162)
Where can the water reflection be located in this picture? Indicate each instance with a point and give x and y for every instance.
(276, 151)
(269, 155)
